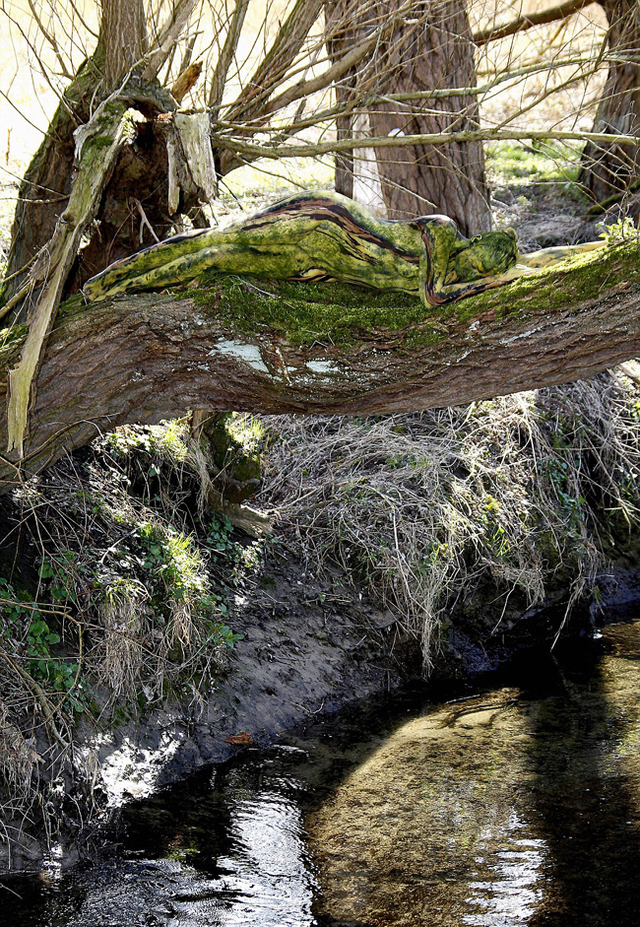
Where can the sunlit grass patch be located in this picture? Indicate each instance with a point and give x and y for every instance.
(532, 162)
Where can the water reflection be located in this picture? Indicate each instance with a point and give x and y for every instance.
(520, 806)
(435, 827)
(264, 876)
(234, 855)
(509, 887)
(584, 753)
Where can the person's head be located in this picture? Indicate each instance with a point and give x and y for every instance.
(485, 255)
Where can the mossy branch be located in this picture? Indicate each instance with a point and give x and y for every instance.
(235, 344)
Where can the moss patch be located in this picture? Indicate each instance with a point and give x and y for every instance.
(11, 341)
(566, 286)
(71, 306)
(305, 313)
(343, 314)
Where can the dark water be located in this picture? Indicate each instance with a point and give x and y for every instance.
(517, 806)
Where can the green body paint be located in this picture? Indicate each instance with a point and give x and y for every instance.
(323, 236)
(326, 236)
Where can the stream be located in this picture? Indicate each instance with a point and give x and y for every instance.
(517, 804)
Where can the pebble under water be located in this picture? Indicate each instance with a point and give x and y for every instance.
(519, 805)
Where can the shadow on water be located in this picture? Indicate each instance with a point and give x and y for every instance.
(585, 793)
(225, 848)
(519, 806)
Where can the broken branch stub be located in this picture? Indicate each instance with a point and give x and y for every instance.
(191, 162)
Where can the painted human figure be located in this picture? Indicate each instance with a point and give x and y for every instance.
(325, 236)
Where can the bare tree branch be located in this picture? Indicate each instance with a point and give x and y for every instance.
(587, 65)
(275, 64)
(185, 81)
(306, 87)
(167, 37)
(277, 152)
(528, 20)
(221, 71)
(51, 39)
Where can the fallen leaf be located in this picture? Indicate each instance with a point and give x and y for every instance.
(242, 738)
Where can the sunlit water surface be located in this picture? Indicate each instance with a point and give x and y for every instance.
(517, 806)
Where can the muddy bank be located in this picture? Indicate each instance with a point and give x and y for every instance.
(310, 648)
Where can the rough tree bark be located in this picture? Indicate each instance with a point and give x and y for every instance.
(148, 357)
(430, 49)
(47, 183)
(124, 33)
(610, 169)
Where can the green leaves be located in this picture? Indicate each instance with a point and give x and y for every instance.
(34, 639)
(219, 535)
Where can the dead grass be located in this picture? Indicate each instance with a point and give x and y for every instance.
(510, 497)
(126, 616)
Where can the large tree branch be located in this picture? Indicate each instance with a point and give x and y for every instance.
(227, 54)
(274, 66)
(165, 41)
(144, 358)
(276, 152)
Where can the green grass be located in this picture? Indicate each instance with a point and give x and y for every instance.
(532, 162)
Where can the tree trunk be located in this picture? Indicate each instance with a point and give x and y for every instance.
(124, 34)
(136, 199)
(153, 185)
(610, 169)
(148, 357)
(45, 188)
(431, 49)
(338, 38)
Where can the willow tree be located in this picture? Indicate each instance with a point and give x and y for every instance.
(170, 167)
(130, 156)
(610, 168)
(607, 167)
(429, 50)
